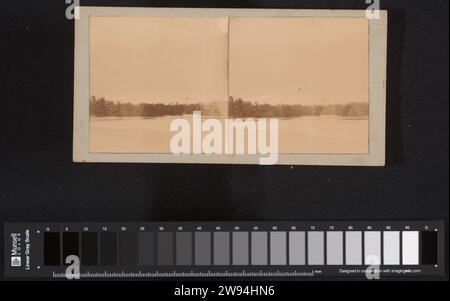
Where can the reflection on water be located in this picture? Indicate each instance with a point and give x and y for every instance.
(308, 134)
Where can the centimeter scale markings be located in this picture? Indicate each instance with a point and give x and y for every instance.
(225, 249)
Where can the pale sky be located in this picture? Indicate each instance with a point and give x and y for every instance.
(299, 60)
(150, 59)
(276, 60)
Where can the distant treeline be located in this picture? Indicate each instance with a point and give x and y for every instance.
(101, 108)
(237, 108)
(240, 108)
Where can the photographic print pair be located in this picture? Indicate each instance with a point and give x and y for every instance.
(231, 86)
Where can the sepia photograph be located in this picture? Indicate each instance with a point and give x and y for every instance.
(146, 72)
(310, 73)
(294, 87)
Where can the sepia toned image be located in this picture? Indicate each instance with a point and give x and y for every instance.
(151, 74)
(147, 71)
(310, 73)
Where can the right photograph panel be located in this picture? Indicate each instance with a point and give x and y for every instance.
(312, 73)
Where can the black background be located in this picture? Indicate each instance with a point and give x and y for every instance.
(39, 181)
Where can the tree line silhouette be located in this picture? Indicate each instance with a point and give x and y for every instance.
(237, 108)
(240, 108)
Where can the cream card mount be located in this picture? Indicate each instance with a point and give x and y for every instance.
(229, 86)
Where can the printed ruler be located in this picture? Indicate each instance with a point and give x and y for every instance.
(225, 249)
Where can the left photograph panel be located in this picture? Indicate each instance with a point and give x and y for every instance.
(144, 72)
